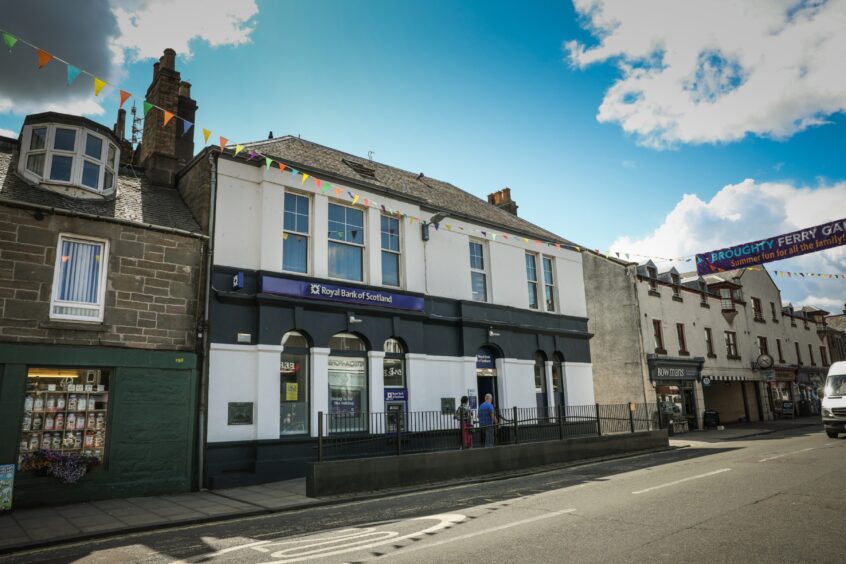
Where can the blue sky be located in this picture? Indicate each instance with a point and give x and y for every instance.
(486, 95)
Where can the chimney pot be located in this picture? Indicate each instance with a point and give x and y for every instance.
(502, 199)
(169, 59)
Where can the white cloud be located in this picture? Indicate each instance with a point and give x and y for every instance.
(705, 72)
(8, 133)
(148, 27)
(749, 211)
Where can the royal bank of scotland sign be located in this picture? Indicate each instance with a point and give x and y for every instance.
(337, 293)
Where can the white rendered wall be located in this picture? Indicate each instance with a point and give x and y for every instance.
(516, 383)
(578, 383)
(232, 378)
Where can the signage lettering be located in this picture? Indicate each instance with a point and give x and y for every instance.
(665, 373)
(396, 394)
(334, 292)
(349, 364)
(804, 241)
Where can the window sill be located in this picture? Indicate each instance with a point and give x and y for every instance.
(712, 355)
(733, 357)
(677, 299)
(729, 310)
(73, 325)
(655, 293)
(660, 351)
(706, 305)
(684, 353)
(759, 320)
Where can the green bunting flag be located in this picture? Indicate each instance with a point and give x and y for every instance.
(267, 161)
(10, 40)
(147, 107)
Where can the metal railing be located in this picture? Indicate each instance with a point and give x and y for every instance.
(393, 433)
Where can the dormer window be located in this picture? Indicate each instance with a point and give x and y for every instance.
(64, 157)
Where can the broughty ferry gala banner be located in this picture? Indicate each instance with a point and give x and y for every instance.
(802, 242)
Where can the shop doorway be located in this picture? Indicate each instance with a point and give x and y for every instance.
(486, 374)
(690, 408)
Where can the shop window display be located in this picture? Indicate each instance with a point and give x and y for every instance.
(293, 374)
(66, 411)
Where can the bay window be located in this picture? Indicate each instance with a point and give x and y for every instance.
(346, 243)
(295, 234)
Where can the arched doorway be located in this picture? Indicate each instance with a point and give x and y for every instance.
(558, 379)
(540, 383)
(294, 383)
(486, 375)
(348, 393)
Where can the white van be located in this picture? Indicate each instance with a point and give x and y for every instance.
(834, 402)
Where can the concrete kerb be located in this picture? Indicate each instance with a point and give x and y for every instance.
(320, 502)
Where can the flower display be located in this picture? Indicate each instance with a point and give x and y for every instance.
(67, 468)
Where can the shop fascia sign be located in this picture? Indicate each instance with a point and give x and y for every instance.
(351, 364)
(314, 290)
(670, 373)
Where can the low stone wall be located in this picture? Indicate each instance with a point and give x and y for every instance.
(340, 477)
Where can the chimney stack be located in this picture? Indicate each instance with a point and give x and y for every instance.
(502, 200)
(164, 150)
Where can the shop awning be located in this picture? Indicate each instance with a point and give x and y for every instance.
(732, 378)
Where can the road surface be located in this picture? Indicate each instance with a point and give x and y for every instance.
(777, 498)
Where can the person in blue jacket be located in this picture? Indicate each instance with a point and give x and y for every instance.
(487, 420)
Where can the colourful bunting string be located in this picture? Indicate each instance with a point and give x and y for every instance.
(124, 96)
(10, 40)
(253, 155)
(304, 178)
(147, 107)
(73, 72)
(186, 126)
(223, 141)
(206, 134)
(167, 117)
(238, 149)
(267, 161)
(98, 85)
(43, 58)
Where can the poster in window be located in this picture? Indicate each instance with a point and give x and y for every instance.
(7, 482)
(291, 391)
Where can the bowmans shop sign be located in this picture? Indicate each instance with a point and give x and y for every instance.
(335, 293)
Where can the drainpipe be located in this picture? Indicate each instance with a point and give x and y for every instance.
(204, 378)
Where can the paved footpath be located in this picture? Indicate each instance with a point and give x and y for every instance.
(28, 528)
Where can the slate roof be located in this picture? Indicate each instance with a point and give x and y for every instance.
(432, 193)
(136, 199)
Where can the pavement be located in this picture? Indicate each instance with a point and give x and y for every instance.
(40, 527)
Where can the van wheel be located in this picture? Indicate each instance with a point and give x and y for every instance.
(831, 434)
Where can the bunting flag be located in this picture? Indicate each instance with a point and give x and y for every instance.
(124, 96)
(355, 200)
(267, 161)
(73, 72)
(281, 167)
(304, 178)
(147, 107)
(206, 134)
(238, 149)
(327, 187)
(98, 85)
(186, 126)
(9, 39)
(317, 183)
(43, 58)
(223, 142)
(253, 155)
(167, 117)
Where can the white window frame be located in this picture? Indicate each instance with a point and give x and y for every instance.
(484, 270)
(399, 253)
(362, 246)
(546, 284)
(533, 283)
(100, 306)
(77, 156)
(307, 235)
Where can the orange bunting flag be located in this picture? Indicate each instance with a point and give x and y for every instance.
(317, 183)
(124, 96)
(167, 117)
(98, 85)
(206, 134)
(43, 58)
(223, 142)
(366, 203)
(338, 192)
(281, 167)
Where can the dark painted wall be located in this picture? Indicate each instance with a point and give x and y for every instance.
(445, 327)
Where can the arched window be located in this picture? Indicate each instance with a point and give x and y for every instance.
(347, 383)
(293, 373)
(394, 365)
(558, 378)
(540, 381)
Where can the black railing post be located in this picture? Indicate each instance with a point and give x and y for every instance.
(399, 431)
(560, 422)
(514, 412)
(320, 436)
(631, 417)
(598, 422)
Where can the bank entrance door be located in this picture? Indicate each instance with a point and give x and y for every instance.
(486, 374)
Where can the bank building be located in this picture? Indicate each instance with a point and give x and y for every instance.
(356, 287)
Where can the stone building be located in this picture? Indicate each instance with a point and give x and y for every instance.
(722, 342)
(101, 271)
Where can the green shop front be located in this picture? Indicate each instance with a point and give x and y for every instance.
(130, 414)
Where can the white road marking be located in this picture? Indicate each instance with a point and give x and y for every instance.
(715, 472)
(786, 454)
(478, 533)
